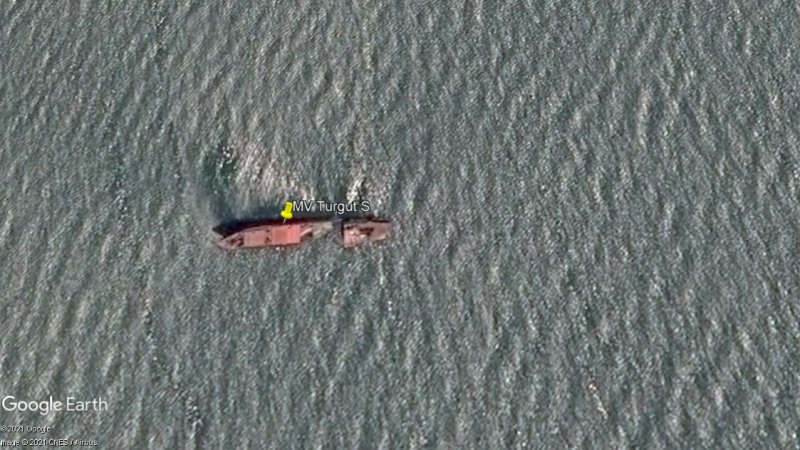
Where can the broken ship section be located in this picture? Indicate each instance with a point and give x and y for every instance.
(357, 232)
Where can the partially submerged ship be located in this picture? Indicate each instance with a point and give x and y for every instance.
(275, 233)
(360, 231)
(291, 232)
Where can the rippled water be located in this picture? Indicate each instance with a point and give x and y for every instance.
(596, 211)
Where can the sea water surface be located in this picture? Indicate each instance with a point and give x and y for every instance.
(595, 208)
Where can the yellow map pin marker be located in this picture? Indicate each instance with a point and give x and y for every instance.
(287, 211)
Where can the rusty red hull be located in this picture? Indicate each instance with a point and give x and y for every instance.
(275, 234)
